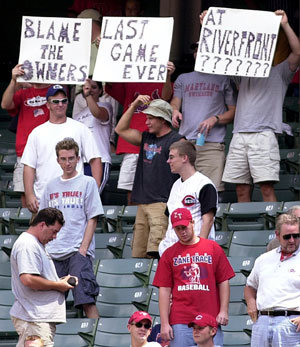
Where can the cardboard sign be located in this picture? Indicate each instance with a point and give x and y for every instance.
(237, 42)
(134, 49)
(55, 50)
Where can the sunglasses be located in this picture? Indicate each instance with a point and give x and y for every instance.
(145, 325)
(288, 236)
(57, 101)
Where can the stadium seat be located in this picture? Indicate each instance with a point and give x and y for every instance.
(290, 160)
(124, 273)
(8, 334)
(126, 219)
(127, 247)
(109, 245)
(116, 161)
(239, 323)
(288, 204)
(77, 332)
(219, 220)
(122, 302)
(10, 198)
(8, 161)
(223, 239)
(111, 195)
(110, 218)
(229, 195)
(153, 270)
(6, 243)
(237, 308)
(153, 308)
(5, 276)
(6, 301)
(5, 214)
(251, 215)
(243, 264)
(237, 339)
(112, 332)
(250, 243)
(20, 222)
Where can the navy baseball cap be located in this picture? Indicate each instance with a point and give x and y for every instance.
(53, 90)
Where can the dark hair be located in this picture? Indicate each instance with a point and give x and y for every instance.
(99, 84)
(67, 143)
(185, 148)
(48, 215)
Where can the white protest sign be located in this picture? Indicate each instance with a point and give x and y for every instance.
(55, 50)
(133, 49)
(237, 42)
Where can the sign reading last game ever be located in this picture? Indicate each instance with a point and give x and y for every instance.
(133, 49)
(237, 42)
(55, 50)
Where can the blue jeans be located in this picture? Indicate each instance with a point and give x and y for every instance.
(183, 336)
(274, 332)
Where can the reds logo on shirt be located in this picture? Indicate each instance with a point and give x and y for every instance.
(189, 200)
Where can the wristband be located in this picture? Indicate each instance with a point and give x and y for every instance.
(218, 118)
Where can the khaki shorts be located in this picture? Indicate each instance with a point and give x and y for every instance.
(44, 330)
(252, 158)
(210, 162)
(150, 228)
(127, 171)
(18, 176)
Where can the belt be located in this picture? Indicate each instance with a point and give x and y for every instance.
(279, 313)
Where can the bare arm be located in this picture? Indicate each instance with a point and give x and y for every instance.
(123, 129)
(88, 235)
(166, 330)
(36, 282)
(97, 111)
(167, 90)
(207, 222)
(224, 118)
(294, 57)
(250, 297)
(96, 168)
(31, 200)
(7, 102)
(176, 116)
(224, 293)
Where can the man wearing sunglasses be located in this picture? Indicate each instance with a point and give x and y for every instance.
(139, 326)
(39, 159)
(272, 291)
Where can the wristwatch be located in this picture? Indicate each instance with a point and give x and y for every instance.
(218, 118)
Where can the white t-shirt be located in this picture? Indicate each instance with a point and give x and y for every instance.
(39, 152)
(100, 130)
(29, 257)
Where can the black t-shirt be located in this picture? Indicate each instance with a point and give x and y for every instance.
(153, 178)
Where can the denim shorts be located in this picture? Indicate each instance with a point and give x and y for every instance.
(80, 266)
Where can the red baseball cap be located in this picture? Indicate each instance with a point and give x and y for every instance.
(181, 216)
(203, 320)
(138, 316)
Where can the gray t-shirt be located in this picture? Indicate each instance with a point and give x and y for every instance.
(260, 100)
(203, 96)
(78, 199)
(30, 257)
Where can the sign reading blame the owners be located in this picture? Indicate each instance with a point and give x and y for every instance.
(55, 50)
(237, 42)
(134, 49)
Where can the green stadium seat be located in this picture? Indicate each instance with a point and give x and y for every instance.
(239, 323)
(237, 339)
(5, 276)
(5, 214)
(6, 243)
(110, 218)
(109, 245)
(127, 247)
(288, 204)
(8, 334)
(8, 162)
(126, 219)
(153, 308)
(243, 264)
(122, 302)
(223, 239)
(229, 195)
(7, 136)
(116, 161)
(219, 220)
(20, 223)
(290, 160)
(237, 308)
(10, 198)
(251, 215)
(124, 273)
(6, 301)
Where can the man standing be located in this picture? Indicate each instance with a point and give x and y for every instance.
(29, 104)
(208, 103)
(39, 155)
(205, 328)
(196, 273)
(78, 197)
(272, 291)
(153, 179)
(139, 326)
(193, 191)
(253, 155)
(39, 293)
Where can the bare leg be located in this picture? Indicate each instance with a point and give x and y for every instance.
(91, 310)
(267, 190)
(243, 192)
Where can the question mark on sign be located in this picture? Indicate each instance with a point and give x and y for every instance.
(250, 63)
(217, 59)
(204, 61)
(266, 68)
(258, 66)
(229, 62)
(237, 68)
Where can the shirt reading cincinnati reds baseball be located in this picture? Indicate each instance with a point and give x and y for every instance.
(193, 272)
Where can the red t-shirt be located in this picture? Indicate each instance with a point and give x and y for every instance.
(30, 104)
(125, 94)
(193, 272)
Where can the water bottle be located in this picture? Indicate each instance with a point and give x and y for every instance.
(200, 139)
